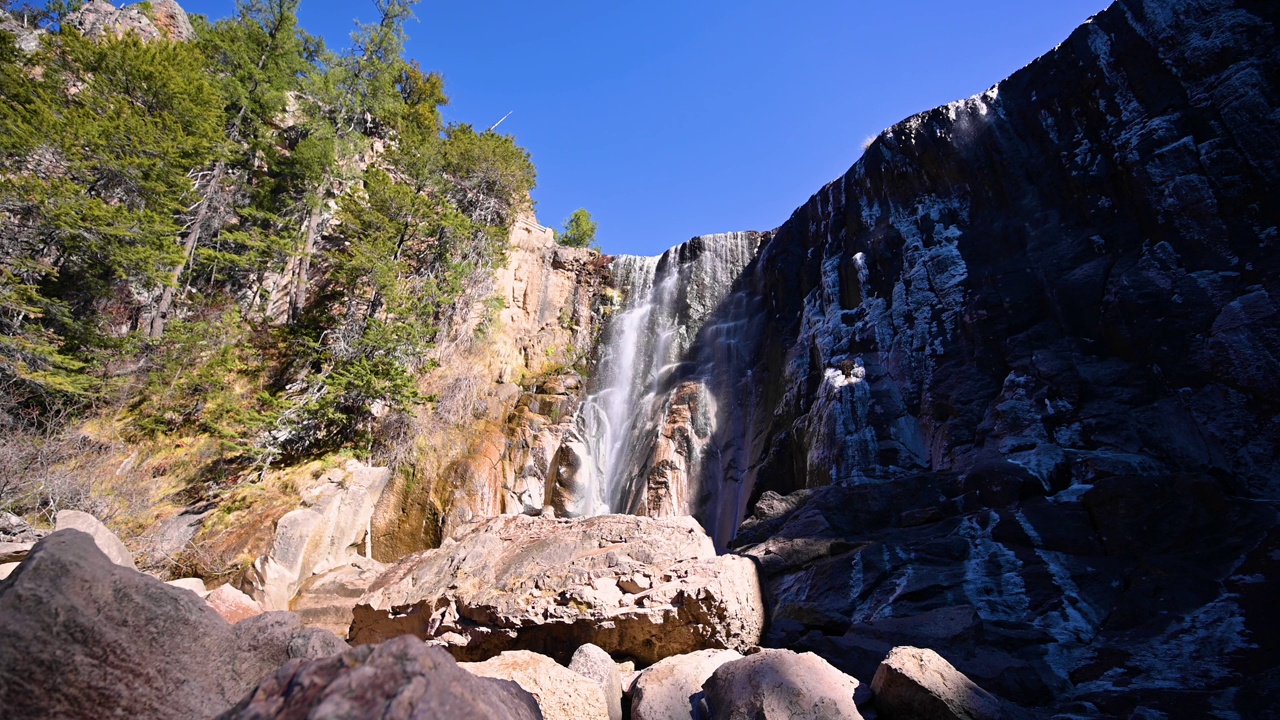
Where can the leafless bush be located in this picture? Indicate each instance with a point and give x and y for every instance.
(42, 478)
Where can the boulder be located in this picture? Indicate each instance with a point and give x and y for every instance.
(328, 531)
(918, 684)
(26, 39)
(780, 684)
(562, 694)
(7, 569)
(233, 605)
(106, 540)
(595, 664)
(195, 585)
(172, 20)
(401, 678)
(99, 19)
(672, 688)
(86, 638)
(168, 539)
(644, 588)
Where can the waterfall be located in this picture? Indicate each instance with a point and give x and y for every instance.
(671, 324)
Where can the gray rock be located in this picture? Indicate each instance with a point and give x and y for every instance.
(106, 540)
(12, 526)
(28, 40)
(671, 689)
(14, 552)
(86, 638)
(594, 663)
(918, 684)
(547, 585)
(561, 693)
(396, 680)
(98, 19)
(780, 685)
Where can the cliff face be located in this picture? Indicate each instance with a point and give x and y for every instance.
(503, 395)
(1071, 274)
(1024, 354)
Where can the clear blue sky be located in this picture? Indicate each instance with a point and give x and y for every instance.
(673, 118)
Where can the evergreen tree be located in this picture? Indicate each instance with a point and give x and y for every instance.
(579, 230)
(102, 139)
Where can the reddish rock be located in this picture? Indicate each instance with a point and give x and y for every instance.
(232, 604)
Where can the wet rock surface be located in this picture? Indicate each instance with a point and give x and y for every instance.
(401, 678)
(84, 638)
(1129, 589)
(636, 587)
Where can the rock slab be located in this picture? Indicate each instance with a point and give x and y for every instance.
(918, 684)
(780, 685)
(641, 588)
(86, 638)
(561, 694)
(398, 679)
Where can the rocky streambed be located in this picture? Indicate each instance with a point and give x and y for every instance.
(605, 617)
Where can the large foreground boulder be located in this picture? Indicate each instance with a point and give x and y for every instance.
(396, 680)
(671, 689)
(918, 684)
(644, 588)
(780, 685)
(86, 638)
(562, 694)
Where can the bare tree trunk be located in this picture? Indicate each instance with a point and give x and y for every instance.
(303, 268)
(189, 250)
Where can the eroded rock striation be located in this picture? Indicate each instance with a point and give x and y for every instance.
(636, 587)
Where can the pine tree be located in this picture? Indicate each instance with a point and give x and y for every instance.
(579, 230)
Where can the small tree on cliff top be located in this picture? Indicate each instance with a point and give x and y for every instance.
(579, 230)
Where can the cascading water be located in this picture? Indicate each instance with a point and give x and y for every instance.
(673, 319)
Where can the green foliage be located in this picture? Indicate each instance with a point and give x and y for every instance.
(579, 230)
(165, 207)
(203, 379)
(101, 139)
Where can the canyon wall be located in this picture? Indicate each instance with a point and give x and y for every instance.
(1008, 388)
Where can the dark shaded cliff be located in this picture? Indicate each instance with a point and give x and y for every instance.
(1027, 352)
